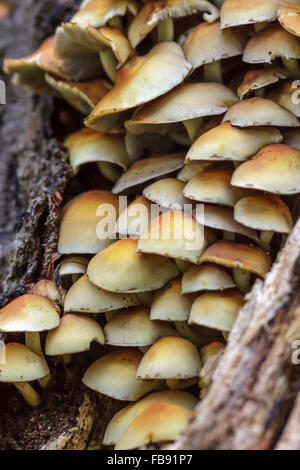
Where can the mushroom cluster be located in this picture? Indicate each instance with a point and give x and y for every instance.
(190, 119)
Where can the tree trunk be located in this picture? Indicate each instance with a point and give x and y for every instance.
(252, 403)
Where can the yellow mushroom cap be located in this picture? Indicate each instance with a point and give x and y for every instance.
(226, 142)
(74, 334)
(217, 310)
(240, 12)
(29, 313)
(99, 12)
(83, 96)
(121, 420)
(167, 193)
(283, 94)
(237, 255)
(147, 169)
(187, 101)
(289, 16)
(133, 327)
(213, 186)
(270, 43)
(154, 11)
(216, 44)
(211, 350)
(160, 422)
(170, 357)
(46, 288)
(73, 265)
(88, 145)
(267, 212)
(260, 112)
(21, 364)
(120, 268)
(222, 218)
(206, 277)
(85, 297)
(114, 375)
(174, 234)
(170, 304)
(79, 224)
(134, 218)
(255, 79)
(276, 169)
(191, 169)
(140, 80)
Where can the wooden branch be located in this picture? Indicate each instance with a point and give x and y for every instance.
(290, 438)
(252, 392)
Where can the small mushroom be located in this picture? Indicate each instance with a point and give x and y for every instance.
(257, 80)
(275, 169)
(83, 96)
(160, 14)
(260, 112)
(188, 103)
(87, 146)
(170, 358)
(74, 335)
(133, 327)
(71, 268)
(271, 43)
(267, 213)
(47, 288)
(140, 80)
(226, 142)
(85, 297)
(216, 45)
(98, 13)
(123, 418)
(213, 186)
(120, 268)
(191, 169)
(289, 16)
(242, 12)
(205, 278)
(147, 169)
(217, 310)
(80, 227)
(174, 234)
(135, 218)
(243, 259)
(22, 365)
(159, 423)
(283, 94)
(167, 193)
(222, 218)
(114, 375)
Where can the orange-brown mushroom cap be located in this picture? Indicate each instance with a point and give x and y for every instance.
(275, 169)
(256, 79)
(289, 16)
(237, 255)
(240, 12)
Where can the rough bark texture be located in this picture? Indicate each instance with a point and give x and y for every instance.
(255, 385)
(252, 403)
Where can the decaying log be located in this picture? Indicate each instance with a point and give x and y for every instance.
(290, 438)
(255, 384)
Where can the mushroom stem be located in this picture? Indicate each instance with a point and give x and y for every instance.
(265, 239)
(67, 358)
(228, 235)
(110, 171)
(260, 26)
(213, 72)
(28, 393)
(75, 278)
(219, 3)
(225, 335)
(33, 342)
(181, 139)
(109, 63)
(193, 127)
(144, 349)
(186, 332)
(260, 92)
(116, 22)
(165, 30)
(175, 384)
(242, 279)
(292, 67)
